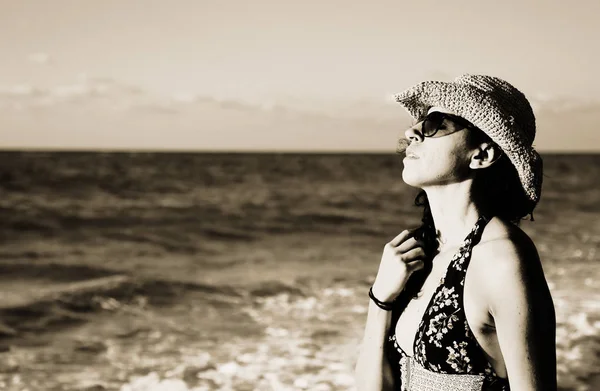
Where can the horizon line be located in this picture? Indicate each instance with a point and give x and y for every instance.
(248, 151)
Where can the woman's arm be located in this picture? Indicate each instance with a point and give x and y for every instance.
(402, 256)
(521, 304)
(372, 367)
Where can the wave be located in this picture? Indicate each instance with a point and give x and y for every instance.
(68, 295)
(274, 288)
(48, 271)
(326, 218)
(227, 233)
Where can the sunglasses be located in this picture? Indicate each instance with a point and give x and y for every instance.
(435, 124)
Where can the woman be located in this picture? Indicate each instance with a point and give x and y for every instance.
(461, 302)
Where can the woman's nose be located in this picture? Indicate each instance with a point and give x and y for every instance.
(414, 133)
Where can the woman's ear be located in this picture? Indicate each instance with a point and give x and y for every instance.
(485, 155)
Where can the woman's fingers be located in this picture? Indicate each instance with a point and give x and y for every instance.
(401, 256)
(415, 265)
(411, 255)
(409, 244)
(402, 236)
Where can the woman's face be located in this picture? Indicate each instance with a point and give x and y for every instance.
(432, 161)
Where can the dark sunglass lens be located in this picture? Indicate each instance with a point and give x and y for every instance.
(432, 123)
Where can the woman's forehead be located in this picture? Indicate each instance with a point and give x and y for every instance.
(440, 109)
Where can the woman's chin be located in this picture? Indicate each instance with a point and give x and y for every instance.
(411, 179)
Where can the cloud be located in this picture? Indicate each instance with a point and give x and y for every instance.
(222, 121)
(19, 91)
(39, 58)
(84, 90)
(121, 96)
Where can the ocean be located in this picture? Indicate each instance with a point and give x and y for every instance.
(208, 271)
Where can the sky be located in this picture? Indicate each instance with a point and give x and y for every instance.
(280, 75)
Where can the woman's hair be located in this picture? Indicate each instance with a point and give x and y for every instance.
(497, 191)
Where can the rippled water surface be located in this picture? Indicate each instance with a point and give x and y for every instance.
(236, 272)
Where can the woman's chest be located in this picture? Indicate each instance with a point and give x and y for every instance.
(440, 333)
(447, 307)
(408, 322)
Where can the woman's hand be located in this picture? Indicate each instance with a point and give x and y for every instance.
(402, 256)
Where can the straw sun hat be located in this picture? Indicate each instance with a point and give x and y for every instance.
(494, 106)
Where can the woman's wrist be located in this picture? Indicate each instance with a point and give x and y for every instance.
(383, 294)
(387, 305)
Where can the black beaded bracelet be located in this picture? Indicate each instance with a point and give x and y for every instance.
(386, 306)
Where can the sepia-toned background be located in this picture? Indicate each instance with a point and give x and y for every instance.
(194, 195)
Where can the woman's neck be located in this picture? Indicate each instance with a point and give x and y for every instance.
(454, 212)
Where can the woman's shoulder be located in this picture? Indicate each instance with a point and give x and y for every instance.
(507, 273)
(501, 238)
(506, 252)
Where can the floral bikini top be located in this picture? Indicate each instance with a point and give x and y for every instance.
(444, 342)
